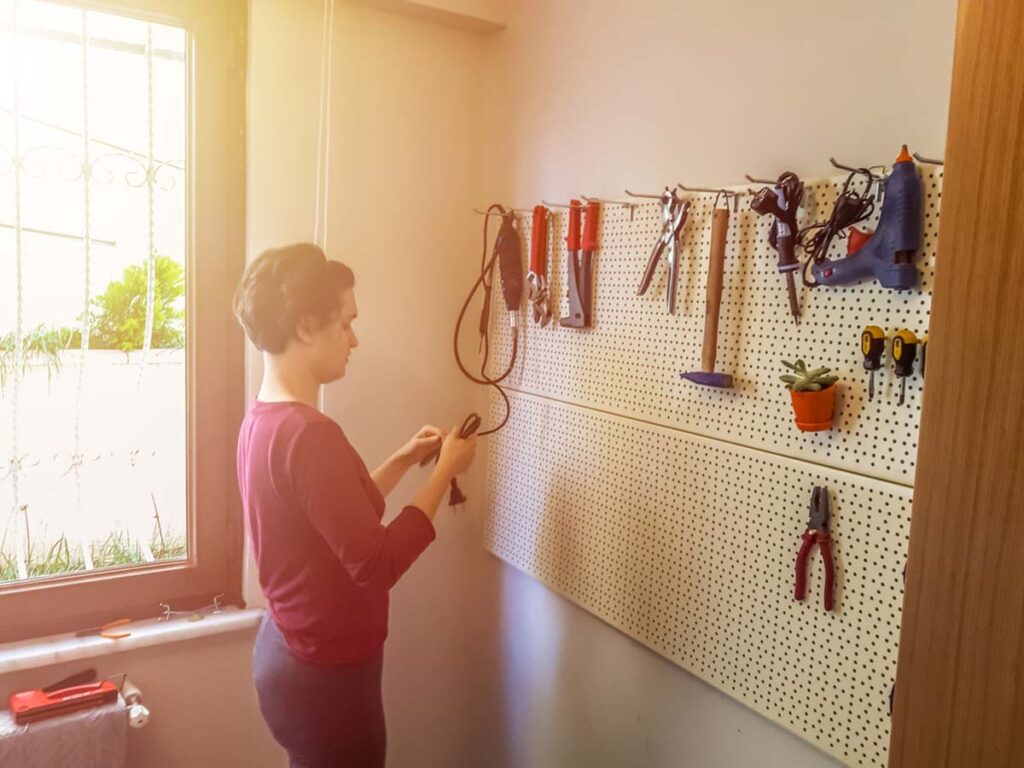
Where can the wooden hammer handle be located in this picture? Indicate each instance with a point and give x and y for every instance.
(716, 269)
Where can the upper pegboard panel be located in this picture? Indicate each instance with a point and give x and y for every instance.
(629, 362)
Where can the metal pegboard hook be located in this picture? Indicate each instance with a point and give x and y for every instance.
(512, 211)
(491, 213)
(652, 197)
(557, 205)
(752, 180)
(719, 193)
(867, 171)
(927, 160)
(620, 203)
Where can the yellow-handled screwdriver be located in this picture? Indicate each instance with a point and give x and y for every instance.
(904, 352)
(872, 344)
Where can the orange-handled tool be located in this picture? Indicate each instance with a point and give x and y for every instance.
(590, 227)
(108, 630)
(590, 216)
(537, 277)
(573, 240)
(539, 242)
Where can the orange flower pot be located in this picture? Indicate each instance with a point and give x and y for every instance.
(814, 410)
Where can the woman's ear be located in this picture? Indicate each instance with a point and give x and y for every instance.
(306, 328)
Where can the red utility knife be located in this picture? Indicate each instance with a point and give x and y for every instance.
(539, 242)
(31, 705)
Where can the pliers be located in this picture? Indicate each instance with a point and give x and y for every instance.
(817, 532)
(109, 630)
(673, 214)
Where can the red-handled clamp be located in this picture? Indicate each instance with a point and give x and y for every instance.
(581, 266)
(816, 533)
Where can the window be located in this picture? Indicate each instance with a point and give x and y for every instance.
(120, 371)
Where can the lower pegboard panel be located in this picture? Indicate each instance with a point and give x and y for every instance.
(688, 545)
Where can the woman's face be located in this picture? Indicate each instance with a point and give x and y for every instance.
(330, 346)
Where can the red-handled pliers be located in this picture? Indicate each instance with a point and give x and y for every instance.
(537, 277)
(817, 532)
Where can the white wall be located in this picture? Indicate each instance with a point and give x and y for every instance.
(404, 173)
(594, 96)
(405, 149)
(484, 16)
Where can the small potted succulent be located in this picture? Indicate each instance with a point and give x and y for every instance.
(813, 394)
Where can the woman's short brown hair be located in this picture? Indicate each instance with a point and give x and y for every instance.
(285, 285)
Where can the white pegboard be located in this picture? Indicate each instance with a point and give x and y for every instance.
(629, 362)
(688, 545)
(674, 512)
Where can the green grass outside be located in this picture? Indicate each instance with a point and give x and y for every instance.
(58, 557)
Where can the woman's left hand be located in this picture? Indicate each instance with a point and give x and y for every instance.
(425, 442)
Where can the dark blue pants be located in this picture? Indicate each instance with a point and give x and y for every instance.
(325, 716)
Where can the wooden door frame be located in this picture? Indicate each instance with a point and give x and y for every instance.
(960, 681)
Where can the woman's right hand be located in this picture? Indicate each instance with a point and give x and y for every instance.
(457, 453)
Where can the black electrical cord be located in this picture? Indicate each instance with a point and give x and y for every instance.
(850, 208)
(512, 288)
(486, 279)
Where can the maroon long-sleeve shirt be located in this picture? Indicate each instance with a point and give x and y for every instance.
(313, 513)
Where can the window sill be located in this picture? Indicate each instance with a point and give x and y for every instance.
(56, 649)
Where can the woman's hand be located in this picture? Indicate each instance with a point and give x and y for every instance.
(457, 453)
(424, 443)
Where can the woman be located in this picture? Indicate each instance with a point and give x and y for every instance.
(313, 513)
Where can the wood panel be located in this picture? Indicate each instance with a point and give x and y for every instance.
(960, 683)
